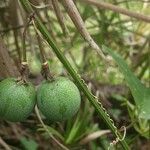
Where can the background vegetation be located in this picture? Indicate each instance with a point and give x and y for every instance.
(126, 35)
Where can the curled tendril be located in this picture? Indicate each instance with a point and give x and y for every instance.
(123, 128)
(114, 142)
(100, 104)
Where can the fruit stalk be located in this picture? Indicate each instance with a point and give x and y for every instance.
(100, 110)
(24, 57)
(24, 65)
(45, 68)
(41, 49)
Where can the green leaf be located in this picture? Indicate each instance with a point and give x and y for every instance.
(145, 106)
(28, 144)
(52, 131)
(140, 93)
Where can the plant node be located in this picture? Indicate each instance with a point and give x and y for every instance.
(24, 72)
(46, 72)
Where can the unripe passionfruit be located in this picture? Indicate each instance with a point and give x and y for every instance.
(58, 99)
(17, 100)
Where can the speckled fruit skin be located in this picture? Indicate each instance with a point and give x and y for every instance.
(59, 99)
(17, 100)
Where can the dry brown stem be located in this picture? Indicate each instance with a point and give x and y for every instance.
(78, 22)
(105, 5)
(59, 16)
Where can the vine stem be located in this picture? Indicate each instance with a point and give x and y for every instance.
(79, 82)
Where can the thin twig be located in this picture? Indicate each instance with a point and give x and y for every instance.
(46, 129)
(4, 144)
(43, 6)
(59, 16)
(17, 27)
(136, 1)
(105, 5)
(78, 22)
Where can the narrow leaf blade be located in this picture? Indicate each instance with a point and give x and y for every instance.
(140, 93)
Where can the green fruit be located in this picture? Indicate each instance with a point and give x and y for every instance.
(17, 100)
(59, 99)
